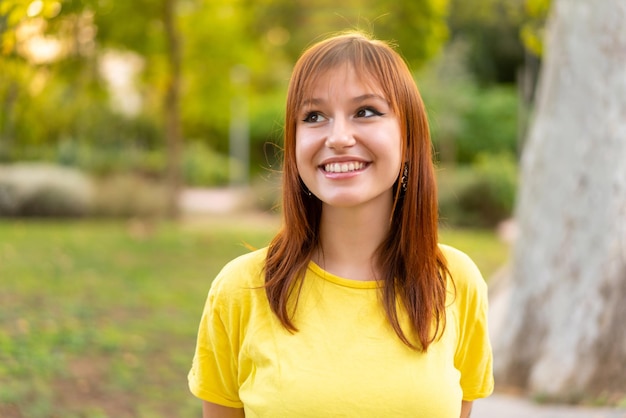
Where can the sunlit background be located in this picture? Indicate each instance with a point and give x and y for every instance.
(139, 147)
(182, 94)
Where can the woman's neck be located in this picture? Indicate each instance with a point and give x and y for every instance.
(349, 239)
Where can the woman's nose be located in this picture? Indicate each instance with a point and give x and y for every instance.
(340, 135)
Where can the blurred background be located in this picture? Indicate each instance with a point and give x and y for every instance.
(107, 100)
(139, 147)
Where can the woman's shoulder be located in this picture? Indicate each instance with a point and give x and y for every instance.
(242, 272)
(462, 268)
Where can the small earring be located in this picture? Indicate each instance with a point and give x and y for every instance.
(306, 189)
(405, 177)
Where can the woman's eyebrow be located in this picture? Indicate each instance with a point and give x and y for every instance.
(311, 102)
(358, 99)
(368, 96)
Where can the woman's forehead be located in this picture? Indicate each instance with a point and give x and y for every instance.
(339, 78)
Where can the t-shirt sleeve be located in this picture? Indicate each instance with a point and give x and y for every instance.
(473, 356)
(213, 374)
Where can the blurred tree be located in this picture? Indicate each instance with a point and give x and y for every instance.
(504, 47)
(492, 30)
(71, 93)
(563, 335)
(172, 107)
(418, 26)
(216, 41)
(150, 29)
(20, 21)
(51, 73)
(532, 30)
(531, 34)
(83, 31)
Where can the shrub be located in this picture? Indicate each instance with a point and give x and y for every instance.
(489, 125)
(467, 119)
(204, 167)
(129, 195)
(103, 160)
(480, 195)
(266, 131)
(452, 181)
(43, 190)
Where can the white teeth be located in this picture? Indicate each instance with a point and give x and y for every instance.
(344, 167)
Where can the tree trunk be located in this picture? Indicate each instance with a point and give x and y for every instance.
(563, 336)
(172, 110)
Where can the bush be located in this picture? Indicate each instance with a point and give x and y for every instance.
(204, 167)
(267, 115)
(106, 160)
(480, 195)
(200, 165)
(467, 119)
(452, 181)
(129, 195)
(489, 125)
(43, 190)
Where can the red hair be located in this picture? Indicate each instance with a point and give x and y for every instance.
(414, 269)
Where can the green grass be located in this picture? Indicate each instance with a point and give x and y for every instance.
(98, 319)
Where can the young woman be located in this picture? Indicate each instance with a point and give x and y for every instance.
(354, 309)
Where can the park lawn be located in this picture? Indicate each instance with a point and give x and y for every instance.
(98, 319)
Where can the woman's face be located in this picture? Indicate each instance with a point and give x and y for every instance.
(348, 141)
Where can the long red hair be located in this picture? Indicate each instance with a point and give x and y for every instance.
(414, 269)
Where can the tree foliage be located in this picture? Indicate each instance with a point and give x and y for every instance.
(532, 31)
(491, 28)
(418, 27)
(260, 39)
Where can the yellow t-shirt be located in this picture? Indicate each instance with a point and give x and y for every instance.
(345, 360)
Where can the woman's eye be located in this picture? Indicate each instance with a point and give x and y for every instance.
(313, 117)
(367, 112)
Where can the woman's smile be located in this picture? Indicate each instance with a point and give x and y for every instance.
(347, 167)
